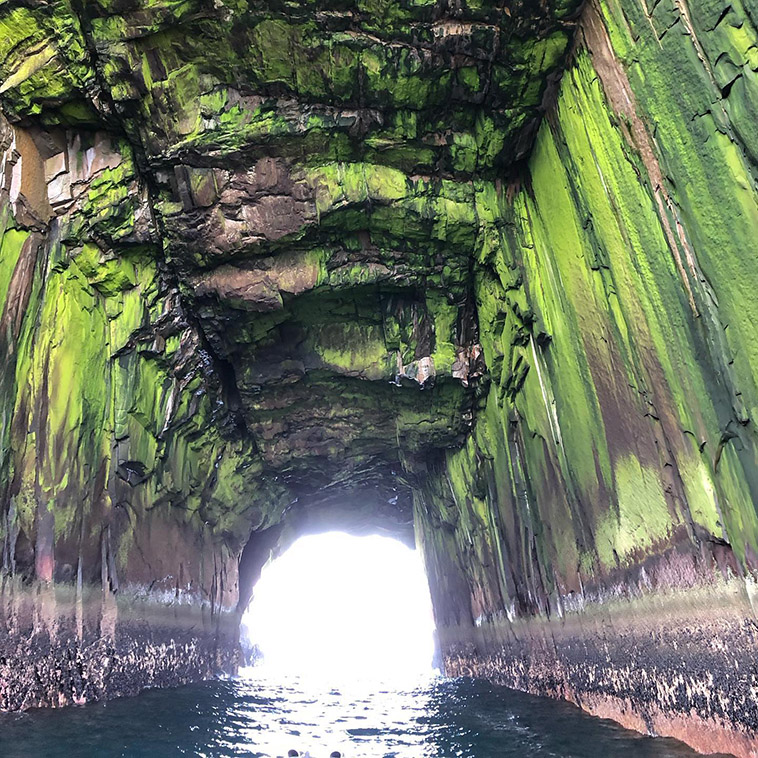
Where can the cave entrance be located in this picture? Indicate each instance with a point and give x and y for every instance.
(344, 608)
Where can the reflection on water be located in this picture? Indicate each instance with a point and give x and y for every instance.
(263, 716)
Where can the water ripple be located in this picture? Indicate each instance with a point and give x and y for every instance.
(263, 717)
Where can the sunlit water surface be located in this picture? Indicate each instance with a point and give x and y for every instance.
(263, 716)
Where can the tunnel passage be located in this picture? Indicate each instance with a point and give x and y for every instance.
(360, 512)
(261, 256)
(343, 608)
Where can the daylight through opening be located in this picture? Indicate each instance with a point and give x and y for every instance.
(343, 607)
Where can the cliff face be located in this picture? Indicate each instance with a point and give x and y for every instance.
(270, 267)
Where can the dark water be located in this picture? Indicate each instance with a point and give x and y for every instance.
(258, 717)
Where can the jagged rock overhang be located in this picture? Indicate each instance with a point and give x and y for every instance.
(284, 209)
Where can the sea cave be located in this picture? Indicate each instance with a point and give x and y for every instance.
(477, 276)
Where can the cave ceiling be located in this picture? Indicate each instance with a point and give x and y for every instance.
(308, 181)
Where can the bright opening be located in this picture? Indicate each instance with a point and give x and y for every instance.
(344, 608)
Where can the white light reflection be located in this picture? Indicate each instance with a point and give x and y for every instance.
(343, 609)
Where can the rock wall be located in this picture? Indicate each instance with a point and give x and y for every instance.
(596, 537)
(105, 428)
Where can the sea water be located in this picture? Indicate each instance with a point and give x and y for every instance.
(266, 715)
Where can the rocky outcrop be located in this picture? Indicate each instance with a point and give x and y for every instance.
(483, 270)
